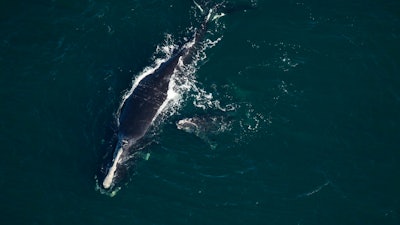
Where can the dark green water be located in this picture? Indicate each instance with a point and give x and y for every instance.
(317, 82)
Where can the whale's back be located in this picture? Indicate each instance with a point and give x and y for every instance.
(141, 107)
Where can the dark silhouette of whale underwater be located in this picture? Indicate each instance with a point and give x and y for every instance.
(147, 99)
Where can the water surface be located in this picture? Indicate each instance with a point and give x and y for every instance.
(314, 138)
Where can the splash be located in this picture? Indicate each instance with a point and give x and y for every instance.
(162, 54)
(222, 115)
(314, 191)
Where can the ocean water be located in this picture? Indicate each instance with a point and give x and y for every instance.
(308, 92)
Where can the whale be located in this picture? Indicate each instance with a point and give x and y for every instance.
(206, 127)
(139, 111)
(143, 105)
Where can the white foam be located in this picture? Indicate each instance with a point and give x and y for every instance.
(315, 190)
(166, 49)
(171, 94)
(199, 7)
(217, 16)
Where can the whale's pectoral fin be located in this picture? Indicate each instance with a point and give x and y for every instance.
(145, 156)
(141, 155)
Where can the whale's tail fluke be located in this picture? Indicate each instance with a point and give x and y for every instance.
(209, 14)
(212, 13)
(224, 7)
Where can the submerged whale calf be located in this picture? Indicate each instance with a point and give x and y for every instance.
(206, 127)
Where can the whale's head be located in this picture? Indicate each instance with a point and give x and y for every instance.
(115, 171)
(187, 125)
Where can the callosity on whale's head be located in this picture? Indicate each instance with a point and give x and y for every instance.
(115, 171)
